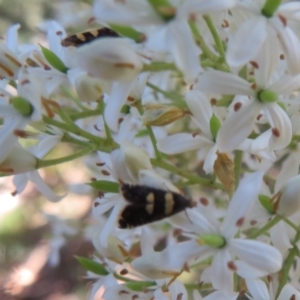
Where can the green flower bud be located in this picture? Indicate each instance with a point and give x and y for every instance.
(164, 9)
(214, 125)
(22, 106)
(267, 96)
(265, 201)
(213, 240)
(270, 7)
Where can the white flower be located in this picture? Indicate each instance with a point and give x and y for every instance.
(259, 291)
(172, 35)
(259, 28)
(242, 116)
(255, 259)
(204, 142)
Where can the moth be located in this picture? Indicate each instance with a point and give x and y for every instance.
(85, 37)
(147, 204)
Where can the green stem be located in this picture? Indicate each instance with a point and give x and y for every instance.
(69, 139)
(290, 223)
(154, 143)
(215, 36)
(192, 178)
(159, 66)
(74, 129)
(170, 95)
(51, 162)
(286, 266)
(85, 114)
(237, 166)
(264, 229)
(76, 100)
(201, 43)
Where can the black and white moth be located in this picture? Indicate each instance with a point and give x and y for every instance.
(147, 204)
(85, 37)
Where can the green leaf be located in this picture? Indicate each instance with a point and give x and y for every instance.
(129, 32)
(139, 286)
(91, 265)
(54, 60)
(105, 186)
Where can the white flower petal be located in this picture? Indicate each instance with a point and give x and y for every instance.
(258, 289)
(280, 237)
(221, 295)
(290, 168)
(287, 292)
(205, 7)
(267, 60)
(257, 254)
(210, 159)
(12, 38)
(184, 50)
(224, 83)
(285, 85)
(109, 226)
(181, 142)
(117, 98)
(178, 288)
(241, 202)
(246, 271)
(201, 109)
(281, 123)
(43, 188)
(237, 126)
(222, 276)
(133, 12)
(291, 45)
(246, 42)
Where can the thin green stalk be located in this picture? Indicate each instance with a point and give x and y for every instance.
(159, 66)
(201, 43)
(51, 162)
(264, 229)
(192, 178)
(215, 35)
(170, 95)
(76, 100)
(286, 266)
(70, 139)
(74, 129)
(154, 143)
(290, 223)
(238, 159)
(85, 114)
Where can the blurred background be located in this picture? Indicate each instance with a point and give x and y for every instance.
(38, 239)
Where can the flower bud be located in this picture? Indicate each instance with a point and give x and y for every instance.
(214, 125)
(267, 96)
(22, 106)
(213, 240)
(9, 63)
(110, 59)
(135, 159)
(90, 89)
(161, 115)
(17, 161)
(288, 198)
(224, 168)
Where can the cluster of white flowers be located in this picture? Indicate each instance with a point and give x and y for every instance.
(199, 97)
